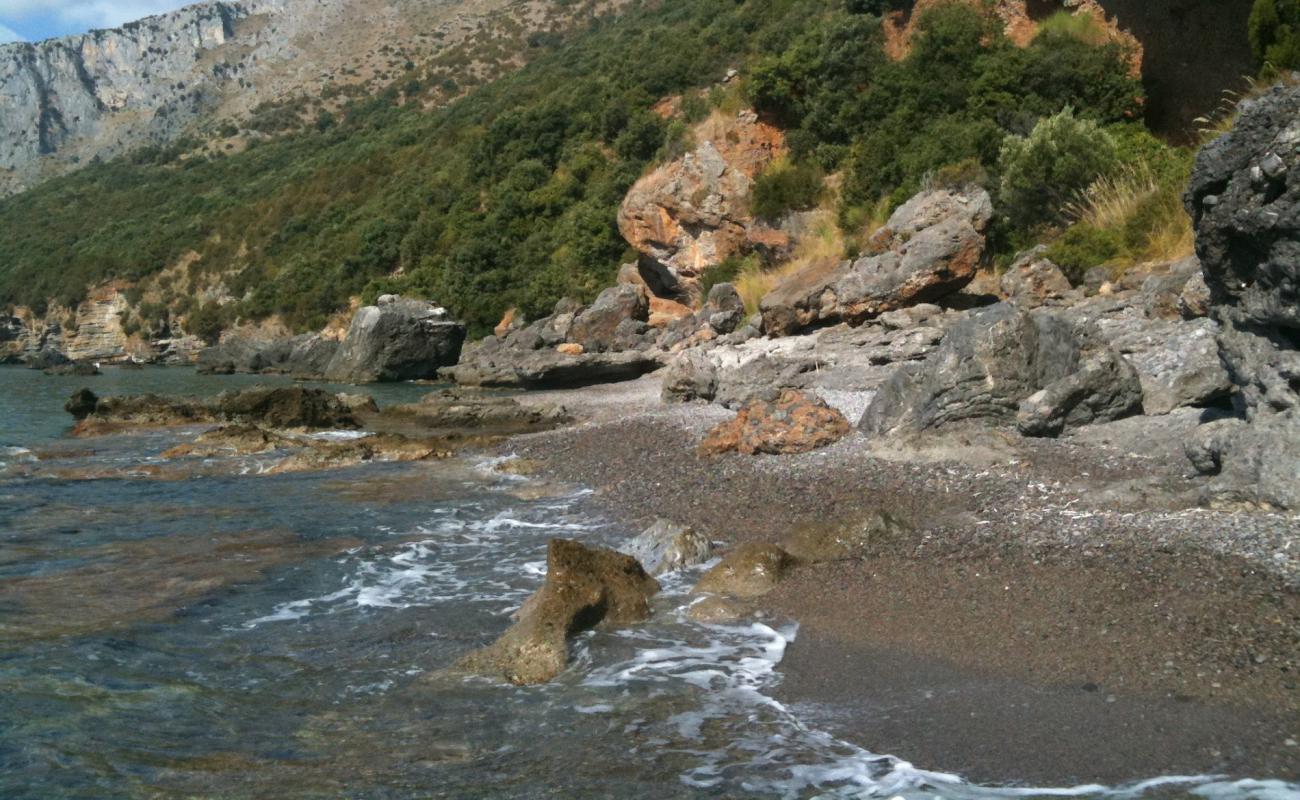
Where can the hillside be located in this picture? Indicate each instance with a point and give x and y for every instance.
(509, 196)
(235, 71)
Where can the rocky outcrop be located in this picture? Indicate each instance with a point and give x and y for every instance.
(1243, 198)
(397, 340)
(995, 359)
(273, 407)
(794, 423)
(751, 570)
(483, 413)
(666, 547)
(614, 321)
(690, 214)
(930, 247)
(584, 587)
(1033, 280)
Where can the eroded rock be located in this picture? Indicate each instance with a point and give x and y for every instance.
(584, 587)
(666, 546)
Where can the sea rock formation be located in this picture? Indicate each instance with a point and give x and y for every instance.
(273, 407)
(584, 587)
(1243, 198)
(691, 213)
(400, 339)
(930, 247)
(306, 355)
(793, 423)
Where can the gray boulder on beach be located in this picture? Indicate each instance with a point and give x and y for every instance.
(400, 340)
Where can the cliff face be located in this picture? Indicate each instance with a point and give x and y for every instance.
(101, 94)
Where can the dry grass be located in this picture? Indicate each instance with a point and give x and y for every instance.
(821, 242)
(1148, 210)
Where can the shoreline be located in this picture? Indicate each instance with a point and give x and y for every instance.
(1060, 612)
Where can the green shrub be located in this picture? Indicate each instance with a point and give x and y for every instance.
(785, 187)
(1274, 30)
(1042, 172)
(1083, 247)
(207, 321)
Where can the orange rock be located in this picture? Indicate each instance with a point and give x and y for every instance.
(795, 423)
(507, 322)
(663, 311)
(569, 349)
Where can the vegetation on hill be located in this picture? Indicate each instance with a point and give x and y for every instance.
(508, 197)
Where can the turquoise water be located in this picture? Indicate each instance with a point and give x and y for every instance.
(283, 636)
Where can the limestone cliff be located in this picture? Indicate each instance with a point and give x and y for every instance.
(101, 94)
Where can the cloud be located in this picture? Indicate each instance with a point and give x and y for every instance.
(78, 15)
(8, 35)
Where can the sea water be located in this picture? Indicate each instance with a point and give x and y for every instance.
(224, 633)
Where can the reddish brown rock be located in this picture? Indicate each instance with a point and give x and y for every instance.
(794, 423)
(584, 587)
(690, 214)
(569, 349)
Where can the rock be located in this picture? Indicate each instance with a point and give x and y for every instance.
(286, 407)
(79, 369)
(1248, 229)
(46, 359)
(403, 340)
(1162, 292)
(250, 352)
(1194, 300)
(664, 312)
(751, 570)
(230, 440)
(595, 328)
(1103, 389)
(276, 407)
(584, 587)
(1255, 465)
(690, 214)
(666, 547)
(815, 544)
(512, 320)
(358, 403)
(713, 609)
(930, 247)
(82, 404)
(1033, 280)
(482, 413)
(569, 349)
(985, 366)
(691, 375)
(489, 364)
(794, 423)
(1177, 362)
(724, 309)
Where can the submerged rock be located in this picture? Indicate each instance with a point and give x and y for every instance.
(794, 423)
(751, 570)
(666, 546)
(584, 587)
(276, 407)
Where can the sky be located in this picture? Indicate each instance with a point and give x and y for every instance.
(33, 20)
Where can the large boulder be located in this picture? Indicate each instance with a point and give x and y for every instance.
(1042, 371)
(584, 587)
(601, 326)
(1177, 362)
(931, 247)
(493, 364)
(1256, 464)
(690, 214)
(305, 355)
(400, 340)
(794, 423)
(1034, 279)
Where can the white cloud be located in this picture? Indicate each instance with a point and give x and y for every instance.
(9, 35)
(86, 13)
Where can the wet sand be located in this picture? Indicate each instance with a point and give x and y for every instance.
(1059, 613)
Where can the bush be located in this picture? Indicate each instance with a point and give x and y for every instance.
(1041, 173)
(1274, 29)
(1083, 247)
(784, 187)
